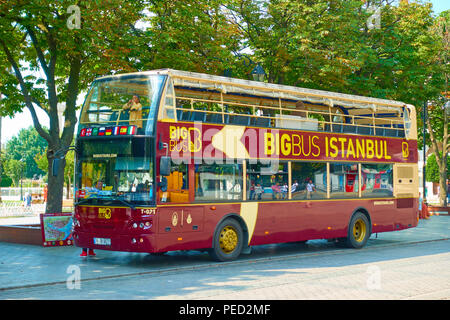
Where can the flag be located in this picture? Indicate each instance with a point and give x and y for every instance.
(123, 130)
(101, 131)
(132, 130)
(108, 131)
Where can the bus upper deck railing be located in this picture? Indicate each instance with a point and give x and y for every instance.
(218, 100)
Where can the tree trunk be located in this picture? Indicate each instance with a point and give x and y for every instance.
(442, 187)
(55, 186)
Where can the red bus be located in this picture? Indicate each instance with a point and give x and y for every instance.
(171, 160)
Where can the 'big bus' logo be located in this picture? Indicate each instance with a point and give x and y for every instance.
(104, 213)
(405, 150)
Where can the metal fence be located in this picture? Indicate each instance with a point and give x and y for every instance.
(18, 209)
(14, 193)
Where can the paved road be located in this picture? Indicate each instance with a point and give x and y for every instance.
(408, 264)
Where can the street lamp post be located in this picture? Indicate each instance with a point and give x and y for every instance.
(258, 73)
(21, 174)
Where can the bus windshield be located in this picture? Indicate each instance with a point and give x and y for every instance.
(115, 170)
(124, 100)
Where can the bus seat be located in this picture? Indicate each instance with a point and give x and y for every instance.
(337, 127)
(261, 122)
(198, 116)
(184, 115)
(379, 131)
(114, 116)
(179, 114)
(124, 115)
(364, 130)
(239, 120)
(390, 132)
(214, 118)
(349, 128)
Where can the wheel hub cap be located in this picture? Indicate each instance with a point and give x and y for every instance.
(228, 239)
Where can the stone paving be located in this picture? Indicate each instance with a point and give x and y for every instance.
(408, 264)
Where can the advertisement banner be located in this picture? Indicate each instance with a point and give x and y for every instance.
(56, 229)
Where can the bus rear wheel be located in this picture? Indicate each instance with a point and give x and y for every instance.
(358, 231)
(228, 241)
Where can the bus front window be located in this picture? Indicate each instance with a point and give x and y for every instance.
(115, 170)
(126, 100)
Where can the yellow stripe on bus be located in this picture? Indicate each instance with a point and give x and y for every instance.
(249, 212)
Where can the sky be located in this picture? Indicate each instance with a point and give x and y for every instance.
(11, 127)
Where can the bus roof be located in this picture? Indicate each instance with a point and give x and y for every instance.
(226, 84)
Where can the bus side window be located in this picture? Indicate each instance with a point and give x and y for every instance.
(309, 180)
(344, 180)
(176, 189)
(218, 182)
(267, 181)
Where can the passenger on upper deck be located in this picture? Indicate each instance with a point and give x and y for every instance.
(302, 108)
(135, 107)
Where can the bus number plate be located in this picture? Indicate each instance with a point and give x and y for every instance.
(102, 241)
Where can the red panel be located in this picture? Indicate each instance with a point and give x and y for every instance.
(192, 226)
(186, 140)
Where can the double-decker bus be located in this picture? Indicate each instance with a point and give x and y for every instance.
(171, 160)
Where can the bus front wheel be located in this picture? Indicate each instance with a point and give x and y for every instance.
(228, 241)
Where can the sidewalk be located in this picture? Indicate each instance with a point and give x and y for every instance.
(30, 265)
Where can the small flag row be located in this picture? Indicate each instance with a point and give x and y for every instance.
(108, 131)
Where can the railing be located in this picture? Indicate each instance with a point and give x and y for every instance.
(283, 117)
(17, 208)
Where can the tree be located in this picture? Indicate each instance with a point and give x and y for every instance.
(55, 49)
(14, 169)
(41, 161)
(432, 170)
(23, 147)
(438, 119)
(191, 35)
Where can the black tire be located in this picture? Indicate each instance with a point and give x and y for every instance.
(228, 241)
(358, 231)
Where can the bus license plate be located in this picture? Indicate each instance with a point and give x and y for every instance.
(102, 241)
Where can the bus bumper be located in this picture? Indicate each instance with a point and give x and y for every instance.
(128, 243)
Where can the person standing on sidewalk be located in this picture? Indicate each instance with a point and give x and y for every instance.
(86, 253)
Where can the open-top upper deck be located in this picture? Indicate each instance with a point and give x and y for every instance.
(173, 95)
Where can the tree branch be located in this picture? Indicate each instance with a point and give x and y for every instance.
(72, 94)
(434, 146)
(38, 49)
(28, 99)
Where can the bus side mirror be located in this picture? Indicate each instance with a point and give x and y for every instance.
(55, 166)
(164, 166)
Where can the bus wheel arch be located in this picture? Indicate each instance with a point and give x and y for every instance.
(230, 238)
